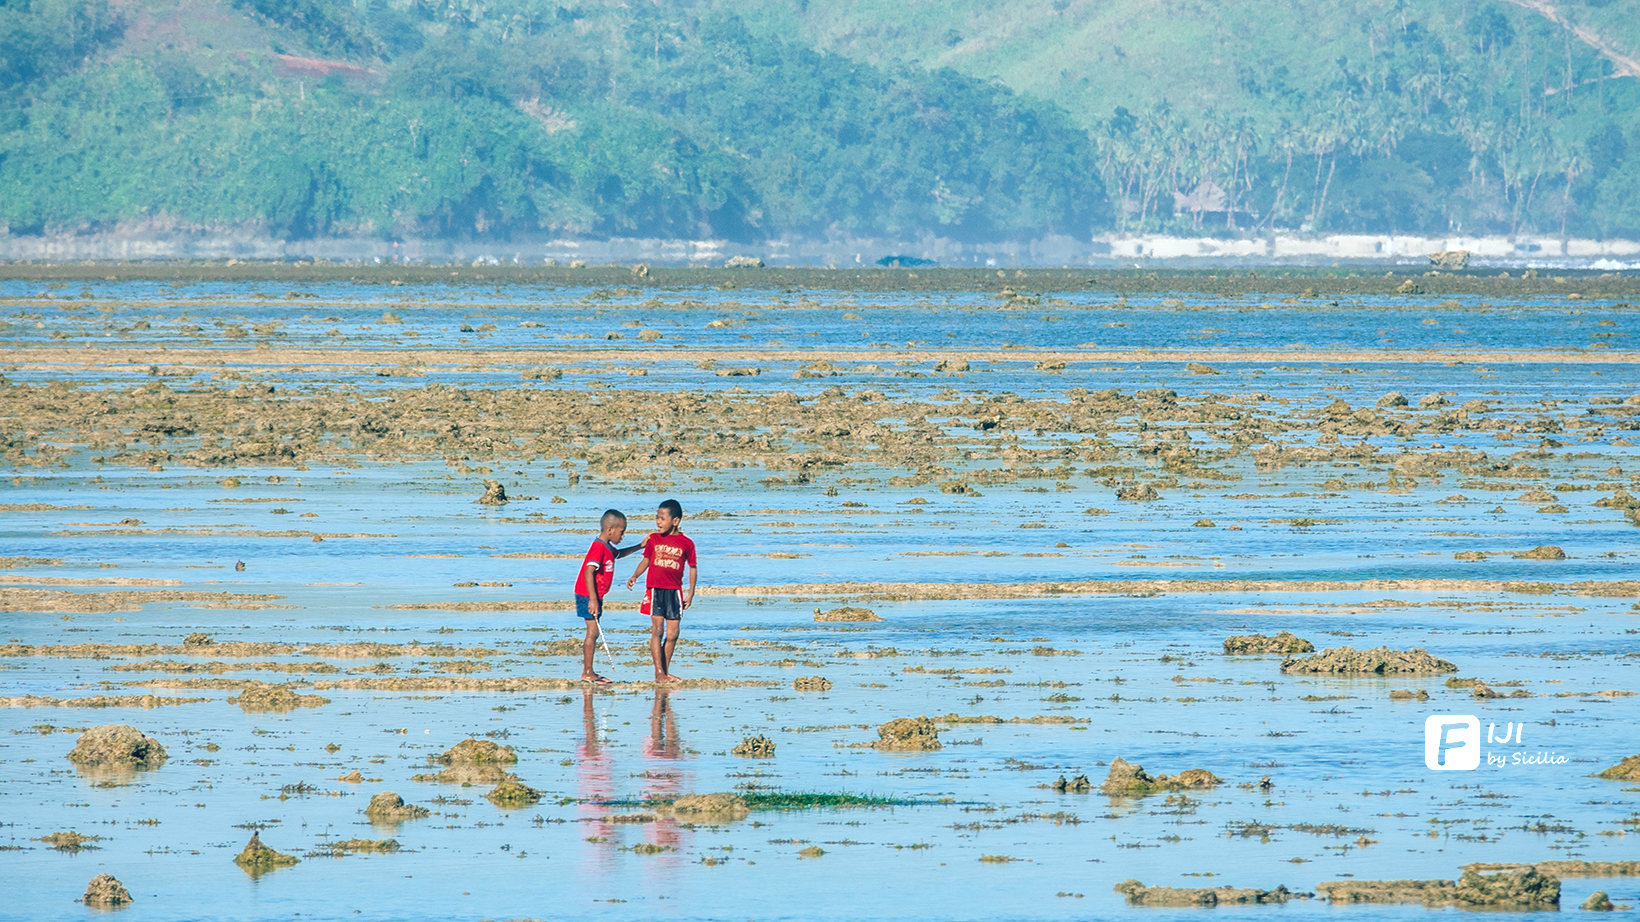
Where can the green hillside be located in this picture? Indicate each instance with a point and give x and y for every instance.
(751, 119)
(1485, 115)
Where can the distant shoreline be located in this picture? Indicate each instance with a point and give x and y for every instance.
(1014, 288)
(1285, 250)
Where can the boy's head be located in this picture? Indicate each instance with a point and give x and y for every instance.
(668, 516)
(612, 527)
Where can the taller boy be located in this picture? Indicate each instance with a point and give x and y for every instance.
(665, 555)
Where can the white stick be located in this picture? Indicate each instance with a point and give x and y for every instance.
(599, 622)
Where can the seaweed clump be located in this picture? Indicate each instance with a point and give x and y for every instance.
(816, 683)
(69, 841)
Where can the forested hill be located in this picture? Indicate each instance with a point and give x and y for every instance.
(752, 119)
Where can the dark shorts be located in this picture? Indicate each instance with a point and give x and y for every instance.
(581, 609)
(665, 603)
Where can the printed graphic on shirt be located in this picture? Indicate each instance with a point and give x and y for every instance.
(667, 555)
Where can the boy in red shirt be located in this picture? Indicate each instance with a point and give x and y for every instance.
(665, 555)
(593, 582)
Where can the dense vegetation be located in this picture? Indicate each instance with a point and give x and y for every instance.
(1484, 116)
(541, 120)
(731, 119)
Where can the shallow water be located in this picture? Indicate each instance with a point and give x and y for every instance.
(1142, 669)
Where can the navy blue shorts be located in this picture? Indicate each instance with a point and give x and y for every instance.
(581, 609)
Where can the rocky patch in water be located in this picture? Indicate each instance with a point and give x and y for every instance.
(258, 859)
(266, 696)
(1128, 780)
(388, 807)
(1377, 661)
(512, 794)
(1626, 770)
(846, 614)
(1482, 886)
(1140, 895)
(1078, 785)
(1251, 644)
(719, 807)
(908, 734)
(117, 746)
(106, 892)
(477, 752)
(755, 747)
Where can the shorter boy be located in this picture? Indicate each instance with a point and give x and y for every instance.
(665, 555)
(593, 582)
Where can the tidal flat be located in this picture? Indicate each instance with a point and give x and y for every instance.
(238, 516)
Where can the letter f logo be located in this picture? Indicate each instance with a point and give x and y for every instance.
(1452, 742)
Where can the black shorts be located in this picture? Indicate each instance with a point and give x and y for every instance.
(665, 603)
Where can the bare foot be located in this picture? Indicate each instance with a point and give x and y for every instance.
(667, 679)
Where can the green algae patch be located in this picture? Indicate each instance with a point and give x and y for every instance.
(512, 794)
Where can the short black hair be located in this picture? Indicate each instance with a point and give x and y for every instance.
(609, 516)
(672, 508)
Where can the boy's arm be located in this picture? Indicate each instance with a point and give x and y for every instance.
(633, 579)
(589, 577)
(690, 597)
(633, 549)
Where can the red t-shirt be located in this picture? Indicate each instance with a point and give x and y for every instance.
(601, 558)
(666, 555)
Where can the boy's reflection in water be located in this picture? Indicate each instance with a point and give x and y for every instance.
(663, 728)
(668, 783)
(593, 783)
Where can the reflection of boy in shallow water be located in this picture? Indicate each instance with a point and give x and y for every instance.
(592, 769)
(663, 743)
(663, 729)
